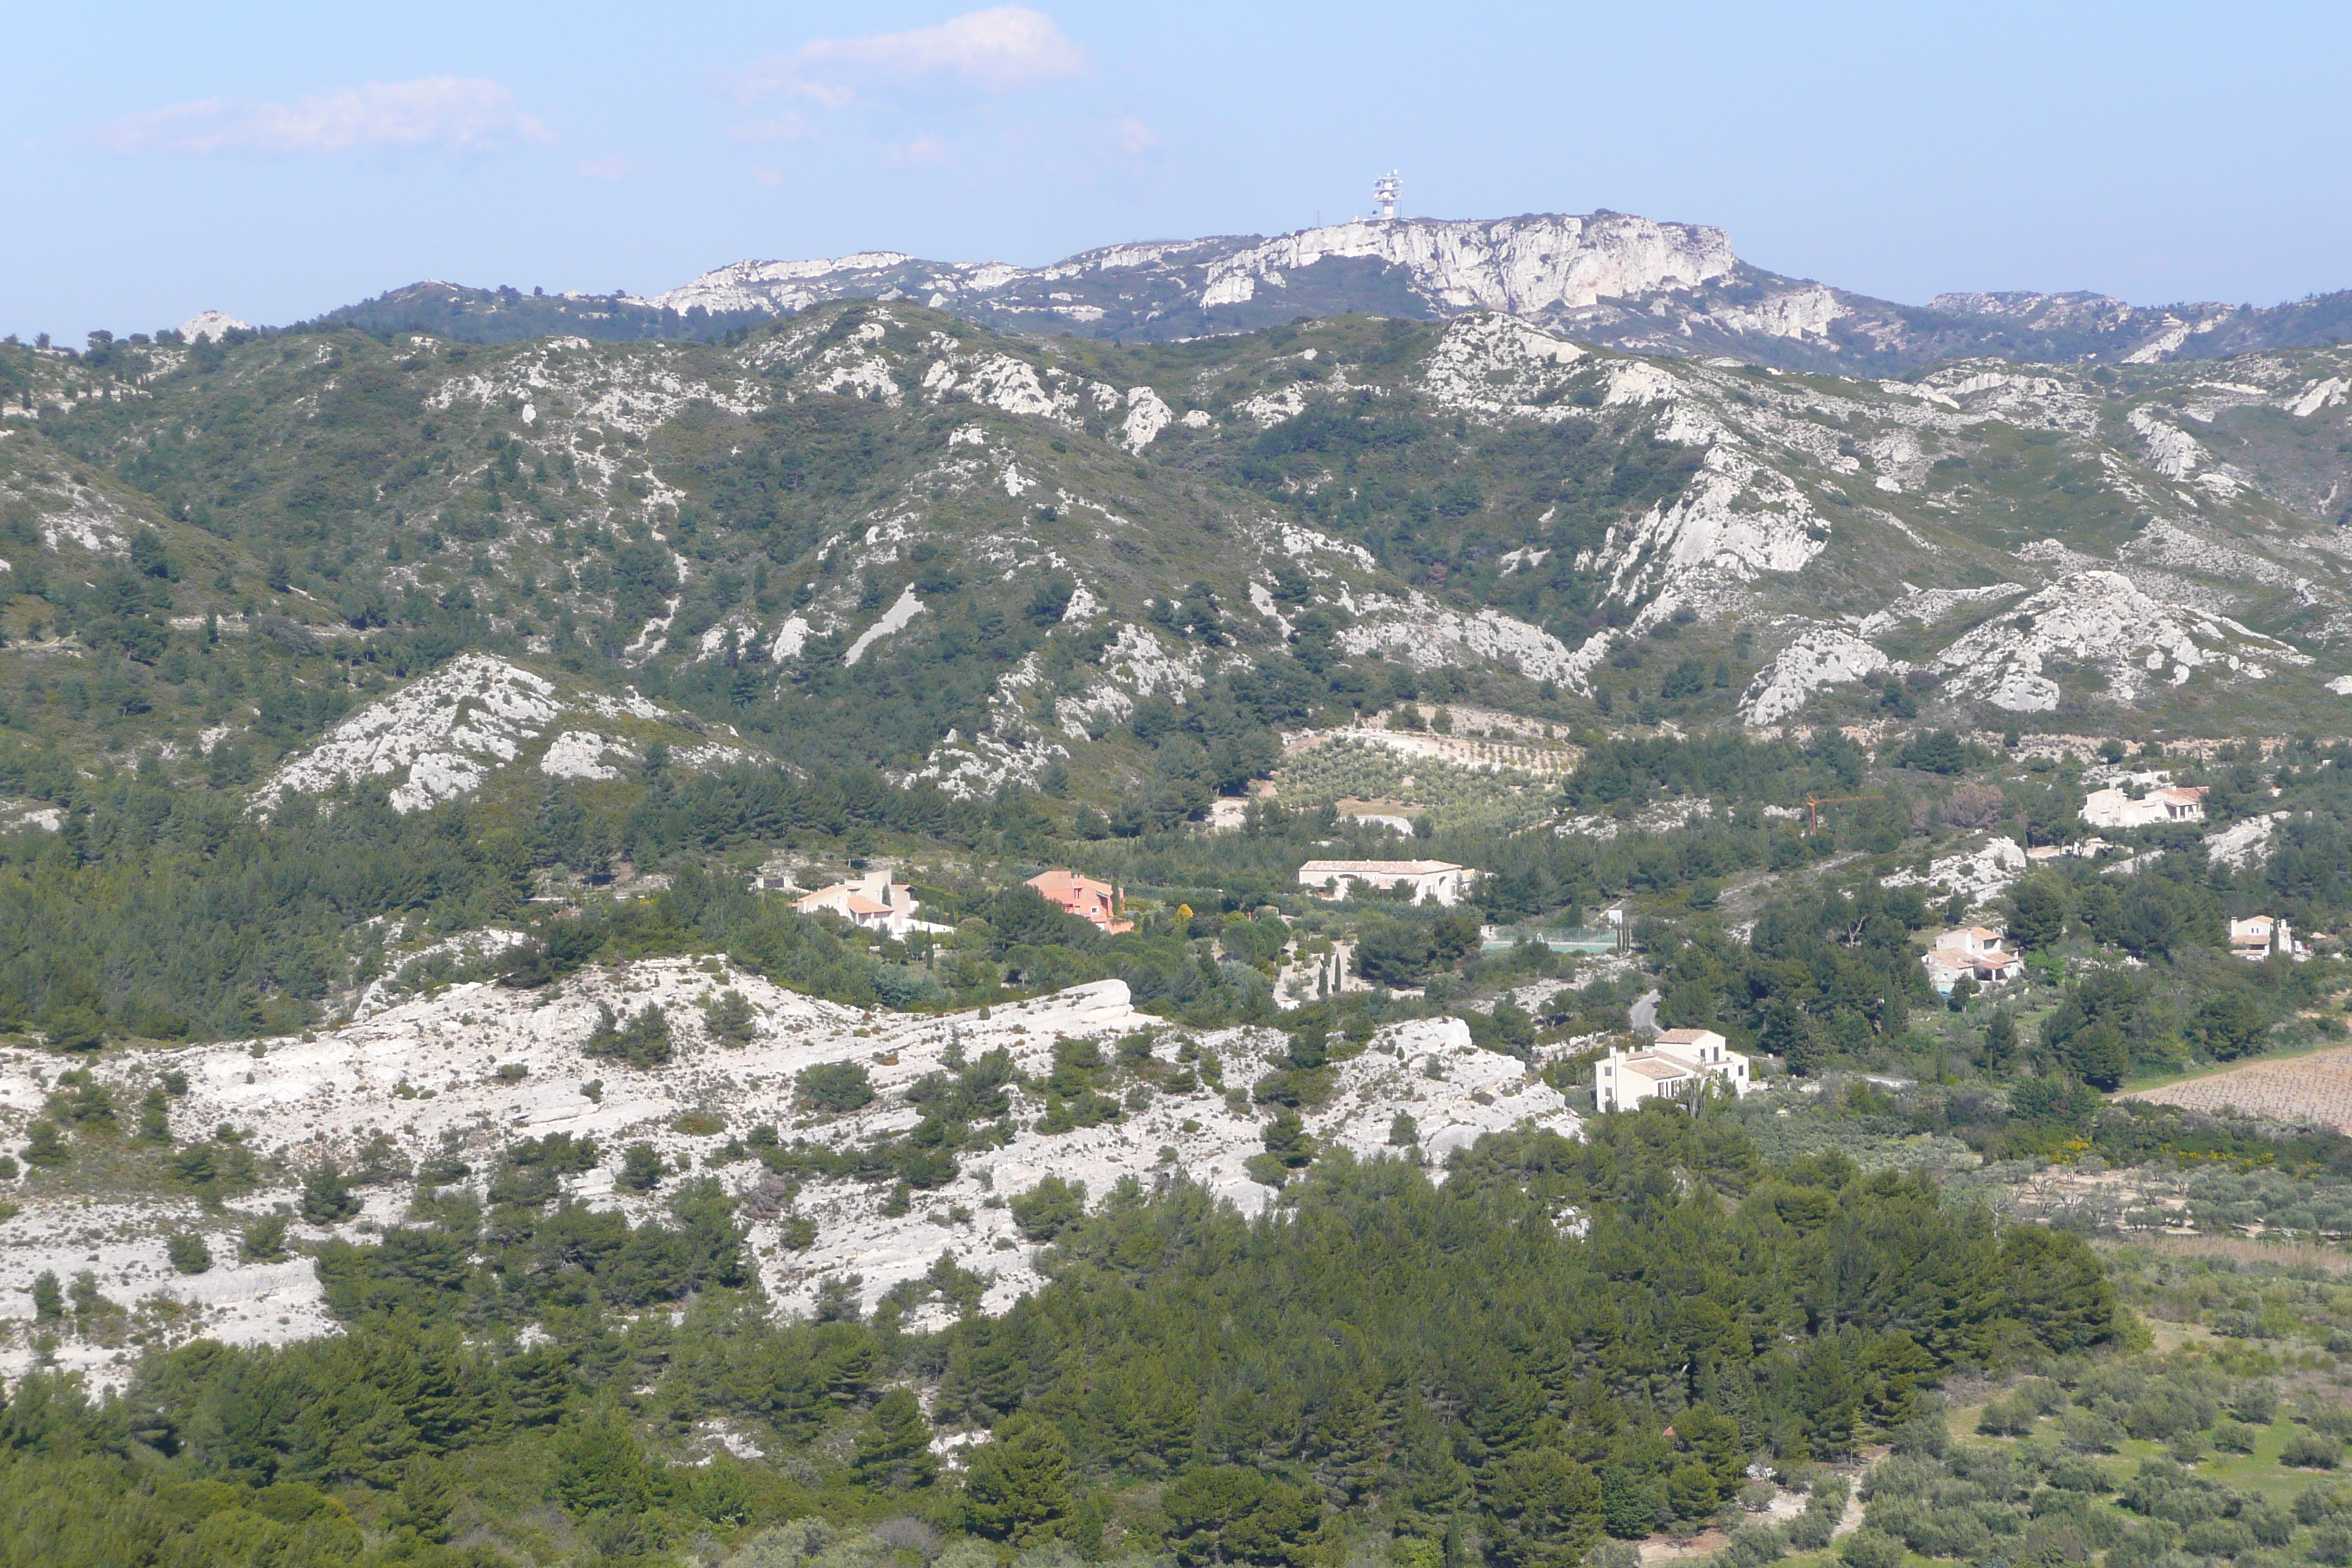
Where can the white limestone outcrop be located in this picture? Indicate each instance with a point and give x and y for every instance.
(2099, 619)
(1425, 634)
(427, 1075)
(449, 730)
(1819, 657)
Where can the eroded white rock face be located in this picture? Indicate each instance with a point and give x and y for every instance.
(1540, 265)
(1979, 873)
(2171, 451)
(770, 286)
(1001, 382)
(580, 754)
(1266, 410)
(636, 392)
(452, 728)
(1526, 266)
(1010, 747)
(1139, 658)
(2098, 618)
(1737, 520)
(1793, 313)
(902, 610)
(2246, 843)
(70, 512)
(1147, 413)
(852, 369)
(447, 729)
(2319, 395)
(1929, 606)
(1493, 365)
(791, 637)
(1826, 656)
(1425, 634)
(1639, 380)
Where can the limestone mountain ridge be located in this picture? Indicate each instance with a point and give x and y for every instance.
(1610, 279)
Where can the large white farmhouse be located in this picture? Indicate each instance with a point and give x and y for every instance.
(1972, 950)
(1676, 1060)
(2117, 808)
(1437, 881)
(873, 901)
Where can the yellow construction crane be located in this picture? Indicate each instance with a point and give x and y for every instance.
(1813, 804)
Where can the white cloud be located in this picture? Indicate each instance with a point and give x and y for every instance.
(461, 114)
(785, 127)
(613, 168)
(1132, 135)
(1005, 48)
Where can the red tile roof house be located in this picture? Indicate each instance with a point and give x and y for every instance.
(1084, 897)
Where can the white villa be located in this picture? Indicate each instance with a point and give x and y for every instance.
(2256, 937)
(1973, 950)
(1673, 1061)
(1436, 881)
(873, 901)
(2117, 808)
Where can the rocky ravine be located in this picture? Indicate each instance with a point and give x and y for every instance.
(425, 1074)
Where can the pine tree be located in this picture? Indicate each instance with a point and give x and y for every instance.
(1347, 1439)
(2099, 1055)
(731, 1019)
(2037, 911)
(1234, 1514)
(893, 1449)
(1016, 1488)
(327, 1196)
(45, 1145)
(421, 1505)
(1545, 1510)
(1426, 1484)
(2000, 1043)
(1629, 1510)
(641, 1168)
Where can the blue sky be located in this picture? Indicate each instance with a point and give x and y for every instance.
(276, 160)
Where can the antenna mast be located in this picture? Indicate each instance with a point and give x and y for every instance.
(1384, 195)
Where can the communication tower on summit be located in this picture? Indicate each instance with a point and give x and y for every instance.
(1384, 195)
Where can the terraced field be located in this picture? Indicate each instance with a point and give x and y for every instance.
(2315, 1088)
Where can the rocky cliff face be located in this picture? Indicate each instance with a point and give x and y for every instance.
(1536, 266)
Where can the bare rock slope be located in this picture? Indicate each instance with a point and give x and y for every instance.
(474, 1069)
